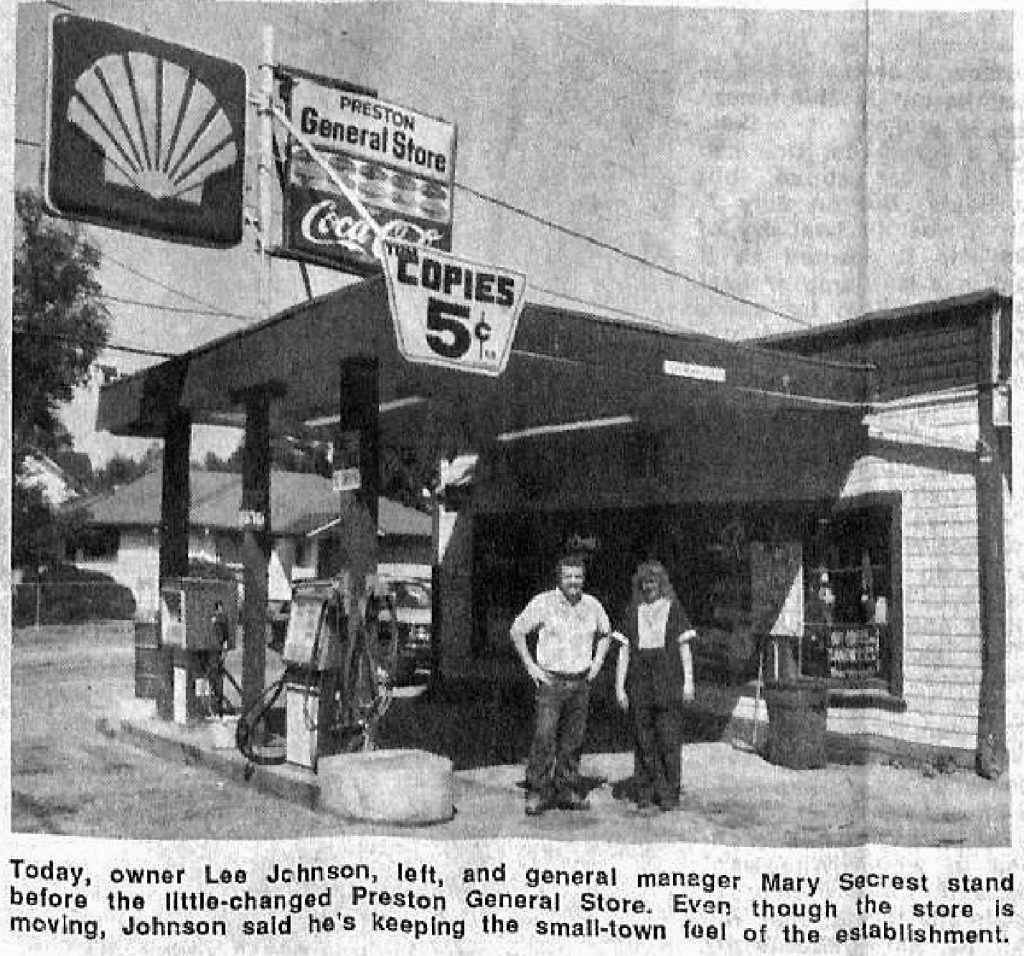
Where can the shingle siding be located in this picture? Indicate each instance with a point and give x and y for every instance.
(941, 618)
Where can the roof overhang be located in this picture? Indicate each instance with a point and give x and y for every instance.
(566, 368)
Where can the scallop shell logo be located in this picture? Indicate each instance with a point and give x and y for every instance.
(161, 131)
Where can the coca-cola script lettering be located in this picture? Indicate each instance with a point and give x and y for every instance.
(323, 225)
(401, 230)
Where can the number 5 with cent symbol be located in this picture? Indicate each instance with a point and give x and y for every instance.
(444, 317)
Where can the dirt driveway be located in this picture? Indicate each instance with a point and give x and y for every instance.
(69, 778)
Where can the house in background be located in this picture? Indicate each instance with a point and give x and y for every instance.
(308, 522)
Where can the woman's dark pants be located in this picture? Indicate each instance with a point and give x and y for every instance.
(657, 729)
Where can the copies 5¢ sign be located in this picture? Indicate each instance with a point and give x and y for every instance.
(451, 312)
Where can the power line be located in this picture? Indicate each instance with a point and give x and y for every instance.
(131, 350)
(168, 288)
(636, 316)
(212, 311)
(208, 310)
(632, 256)
(60, 337)
(171, 308)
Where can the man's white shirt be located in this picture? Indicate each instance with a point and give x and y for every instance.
(566, 632)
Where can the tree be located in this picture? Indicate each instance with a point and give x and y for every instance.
(404, 472)
(59, 325)
(287, 453)
(77, 467)
(120, 470)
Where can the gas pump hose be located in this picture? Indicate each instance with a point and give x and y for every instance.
(251, 719)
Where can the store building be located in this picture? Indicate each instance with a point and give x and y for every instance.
(897, 526)
(874, 453)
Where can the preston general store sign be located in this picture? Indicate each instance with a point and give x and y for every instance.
(398, 162)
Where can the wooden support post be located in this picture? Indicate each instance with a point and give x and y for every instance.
(175, 501)
(360, 399)
(991, 756)
(256, 542)
(175, 495)
(437, 542)
(358, 411)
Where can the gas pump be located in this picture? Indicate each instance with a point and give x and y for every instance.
(337, 682)
(313, 656)
(198, 618)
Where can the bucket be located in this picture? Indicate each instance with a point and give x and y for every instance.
(796, 723)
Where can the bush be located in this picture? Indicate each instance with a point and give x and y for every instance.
(70, 595)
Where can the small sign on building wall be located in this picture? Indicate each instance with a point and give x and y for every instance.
(452, 312)
(345, 479)
(252, 520)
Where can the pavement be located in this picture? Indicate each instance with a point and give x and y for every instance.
(90, 759)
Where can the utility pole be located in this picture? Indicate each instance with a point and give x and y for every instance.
(264, 179)
(257, 541)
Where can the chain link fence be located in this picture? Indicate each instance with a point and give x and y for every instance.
(37, 603)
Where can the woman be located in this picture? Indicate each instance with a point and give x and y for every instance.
(653, 677)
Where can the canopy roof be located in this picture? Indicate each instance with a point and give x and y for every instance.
(565, 368)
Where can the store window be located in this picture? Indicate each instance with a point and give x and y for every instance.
(745, 569)
(851, 572)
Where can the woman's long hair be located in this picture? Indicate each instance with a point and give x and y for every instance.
(656, 570)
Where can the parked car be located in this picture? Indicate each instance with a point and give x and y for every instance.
(412, 602)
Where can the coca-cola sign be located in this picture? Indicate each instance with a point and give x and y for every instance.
(396, 163)
(324, 228)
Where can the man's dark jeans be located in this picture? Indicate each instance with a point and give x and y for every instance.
(553, 767)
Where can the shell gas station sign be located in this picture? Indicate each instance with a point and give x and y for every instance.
(144, 135)
(450, 312)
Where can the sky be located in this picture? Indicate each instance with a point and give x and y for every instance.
(773, 169)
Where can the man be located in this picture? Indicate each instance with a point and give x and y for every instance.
(572, 641)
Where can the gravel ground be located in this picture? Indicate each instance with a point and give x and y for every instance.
(69, 778)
